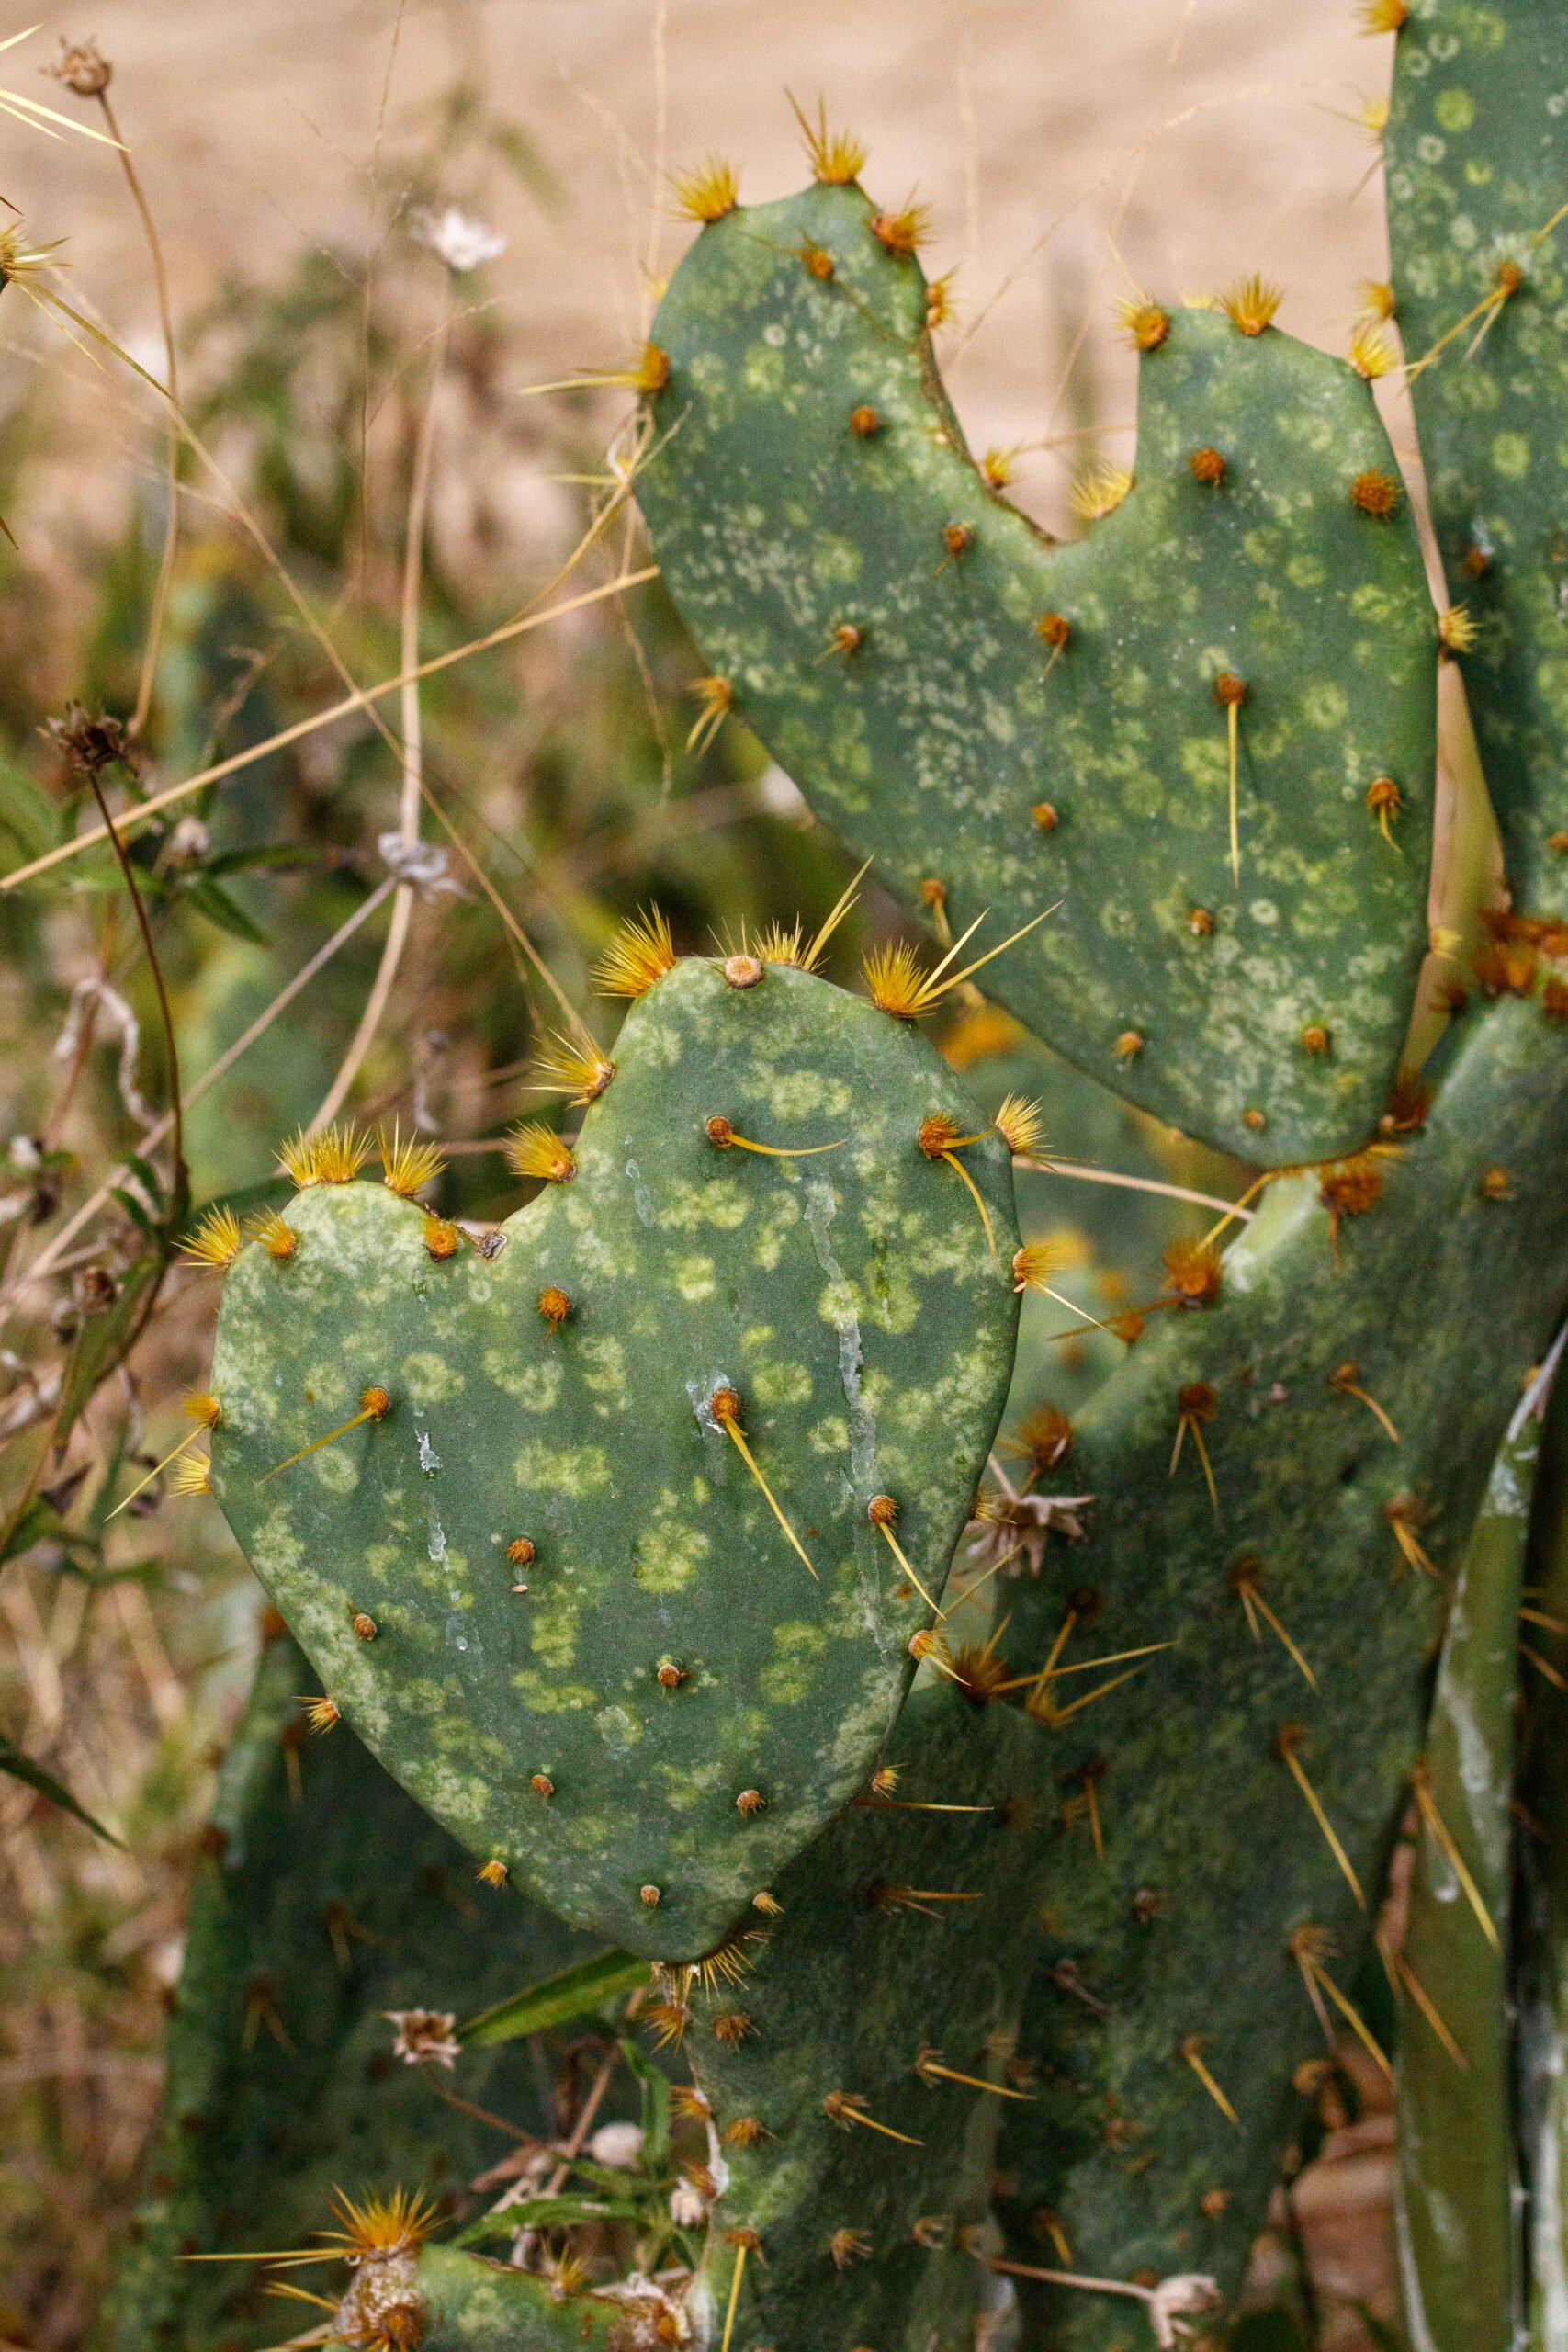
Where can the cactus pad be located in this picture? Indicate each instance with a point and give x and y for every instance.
(902, 1947)
(312, 1914)
(1477, 150)
(540, 1580)
(1018, 725)
(1212, 1858)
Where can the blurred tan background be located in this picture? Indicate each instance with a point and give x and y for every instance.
(1212, 137)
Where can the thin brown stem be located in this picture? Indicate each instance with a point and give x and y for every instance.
(176, 1107)
(172, 522)
(413, 733)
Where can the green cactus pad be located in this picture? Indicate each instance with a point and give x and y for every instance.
(808, 476)
(901, 1932)
(309, 1920)
(1458, 2180)
(1446, 1293)
(854, 1302)
(467, 2304)
(1477, 155)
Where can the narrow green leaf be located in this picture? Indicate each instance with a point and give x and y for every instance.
(210, 898)
(558, 1999)
(655, 2088)
(548, 2214)
(104, 1341)
(21, 1767)
(1458, 2212)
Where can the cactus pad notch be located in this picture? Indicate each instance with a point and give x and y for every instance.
(1243, 651)
(535, 1572)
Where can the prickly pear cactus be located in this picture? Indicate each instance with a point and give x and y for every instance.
(597, 1574)
(1204, 735)
(1194, 1913)
(323, 1898)
(1477, 149)
(860, 2157)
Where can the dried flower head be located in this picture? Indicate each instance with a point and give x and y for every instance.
(641, 952)
(90, 745)
(85, 72)
(459, 239)
(424, 2037)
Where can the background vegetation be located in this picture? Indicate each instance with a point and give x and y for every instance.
(363, 472)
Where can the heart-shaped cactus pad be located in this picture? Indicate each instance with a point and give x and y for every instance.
(618, 1569)
(1207, 730)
